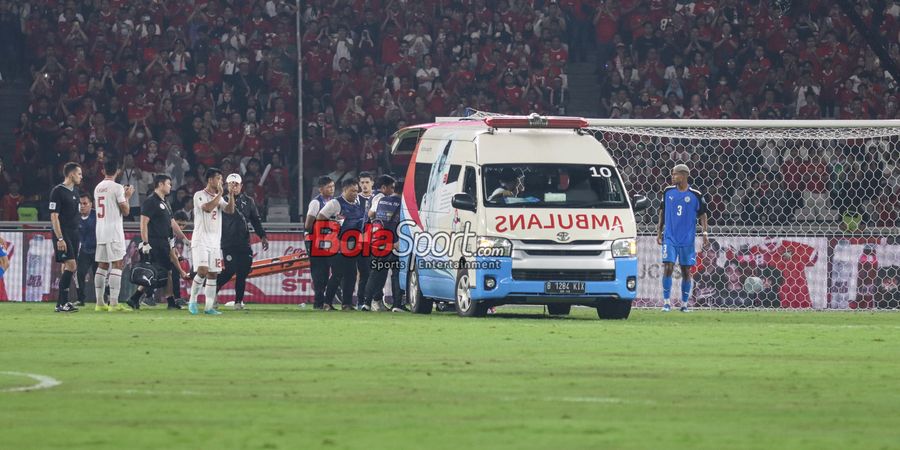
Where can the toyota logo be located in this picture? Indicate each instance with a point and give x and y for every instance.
(562, 236)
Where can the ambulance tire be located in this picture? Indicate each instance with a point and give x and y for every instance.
(465, 305)
(418, 304)
(613, 309)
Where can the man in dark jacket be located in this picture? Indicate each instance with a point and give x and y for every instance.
(86, 231)
(236, 239)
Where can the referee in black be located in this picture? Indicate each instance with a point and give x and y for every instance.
(158, 232)
(236, 240)
(65, 217)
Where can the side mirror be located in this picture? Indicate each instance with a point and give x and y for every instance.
(463, 201)
(639, 203)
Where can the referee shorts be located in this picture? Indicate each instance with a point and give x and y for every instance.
(72, 244)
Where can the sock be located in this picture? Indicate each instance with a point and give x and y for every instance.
(100, 285)
(685, 291)
(667, 288)
(64, 282)
(170, 300)
(136, 295)
(195, 287)
(210, 293)
(115, 285)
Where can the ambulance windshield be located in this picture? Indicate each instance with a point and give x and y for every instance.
(552, 186)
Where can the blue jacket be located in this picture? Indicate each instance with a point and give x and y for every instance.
(87, 232)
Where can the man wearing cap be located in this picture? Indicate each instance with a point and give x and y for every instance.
(682, 206)
(236, 239)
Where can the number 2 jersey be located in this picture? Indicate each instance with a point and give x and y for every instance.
(107, 197)
(681, 211)
(207, 225)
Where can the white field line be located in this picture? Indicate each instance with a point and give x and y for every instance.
(598, 400)
(608, 400)
(44, 382)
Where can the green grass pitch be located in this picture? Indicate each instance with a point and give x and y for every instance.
(284, 377)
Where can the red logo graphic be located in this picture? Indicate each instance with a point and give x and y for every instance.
(328, 240)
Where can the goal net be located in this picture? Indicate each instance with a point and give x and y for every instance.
(803, 214)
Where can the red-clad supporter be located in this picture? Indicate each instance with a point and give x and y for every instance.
(9, 205)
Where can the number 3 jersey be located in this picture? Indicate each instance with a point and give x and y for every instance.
(107, 197)
(207, 225)
(681, 212)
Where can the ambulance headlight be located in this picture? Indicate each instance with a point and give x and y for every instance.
(494, 246)
(624, 248)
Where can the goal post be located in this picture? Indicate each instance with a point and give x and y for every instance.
(803, 214)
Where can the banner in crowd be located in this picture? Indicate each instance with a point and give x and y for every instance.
(294, 286)
(785, 272)
(865, 273)
(41, 273)
(11, 283)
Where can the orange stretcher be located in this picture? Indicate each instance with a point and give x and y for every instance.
(279, 264)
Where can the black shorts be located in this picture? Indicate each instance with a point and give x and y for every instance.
(159, 255)
(72, 244)
(237, 259)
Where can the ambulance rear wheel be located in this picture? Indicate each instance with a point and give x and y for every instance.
(418, 304)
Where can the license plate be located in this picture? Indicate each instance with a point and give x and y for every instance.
(564, 287)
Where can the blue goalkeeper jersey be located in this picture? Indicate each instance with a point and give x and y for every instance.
(681, 212)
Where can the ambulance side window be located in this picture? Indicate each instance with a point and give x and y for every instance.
(469, 183)
(453, 174)
(423, 170)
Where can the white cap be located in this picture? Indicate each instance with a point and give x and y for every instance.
(233, 178)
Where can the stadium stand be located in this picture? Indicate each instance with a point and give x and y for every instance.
(182, 85)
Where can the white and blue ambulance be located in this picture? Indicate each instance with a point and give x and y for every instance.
(515, 210)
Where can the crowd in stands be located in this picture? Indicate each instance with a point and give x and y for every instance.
(749, 60)
(160, 85)
(176, 86)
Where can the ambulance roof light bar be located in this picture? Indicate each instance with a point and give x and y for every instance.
(535, 121)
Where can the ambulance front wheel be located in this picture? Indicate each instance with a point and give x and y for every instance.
(465, 305)
(613, 309)
(418, 304)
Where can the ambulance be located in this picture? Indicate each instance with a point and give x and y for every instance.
(514, 210)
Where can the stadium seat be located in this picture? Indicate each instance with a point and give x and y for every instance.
(278, 210)
(28, 214)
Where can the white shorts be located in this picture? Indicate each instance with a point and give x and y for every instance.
(203, 256)
(110, 252)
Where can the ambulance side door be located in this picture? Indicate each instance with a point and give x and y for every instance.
(463, 220)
